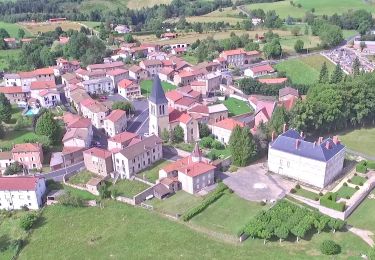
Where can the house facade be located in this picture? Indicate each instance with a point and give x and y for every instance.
(99, 86)
(29, 155)
(98, 161)
(222, 130)
(95, 111)
(115, 122)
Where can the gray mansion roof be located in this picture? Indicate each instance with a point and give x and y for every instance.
(291, 142)
(157, 93)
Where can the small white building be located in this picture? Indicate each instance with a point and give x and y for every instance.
(20, 191)
(129, 89)
(6, 159)
(99, 85)
(315, 163)
(222, 130)
(47, 97)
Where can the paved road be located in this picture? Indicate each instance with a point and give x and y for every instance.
(58, 174)
(139, 122)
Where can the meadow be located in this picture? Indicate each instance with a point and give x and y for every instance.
(35, 28)
(304, 70)
(360, 140)
(236, 106)
(119, 231)
(322, 7)
(6, 56)
(12, 29)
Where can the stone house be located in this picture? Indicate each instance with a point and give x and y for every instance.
(98, 161)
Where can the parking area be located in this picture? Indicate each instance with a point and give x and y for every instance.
(255, 184)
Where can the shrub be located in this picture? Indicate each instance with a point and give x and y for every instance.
(320, 194)
(292, 191)
(69, 199)
(230, 191)
(316, 198)
(356, 187)
(360, 183)
(215, 195)
(350, 181)
(28, 220)
(329, 247)
(361, 168)
(207, 142)
(233, 168)
(345, 184)
(217, 145)
(298, 187)
(371, 165)
(347, 197)
(355, 174)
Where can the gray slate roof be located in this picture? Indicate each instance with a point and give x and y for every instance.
(136, 149)
(157, 93)
(286, 142)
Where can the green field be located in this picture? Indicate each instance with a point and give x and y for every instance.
(229, 214)
(151, 174)
(146, 86)
(304, 70)
(119, 231)
(17, 137)
(6, 56)
(361, 140)
(327, 7)
(89, 24)
(12, 29)
(128, 188)
(236, 106)
(363, 216)
(178, 203)
(81, 178)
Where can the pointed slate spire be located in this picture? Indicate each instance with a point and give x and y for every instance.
(157, 93)
(196, 155)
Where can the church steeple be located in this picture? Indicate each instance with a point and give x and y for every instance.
(157, 93)
(196, 155)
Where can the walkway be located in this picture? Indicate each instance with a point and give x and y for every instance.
(364, 234)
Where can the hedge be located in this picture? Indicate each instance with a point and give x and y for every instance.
(329, 201)
(361, 168)
(371, 165)
(215, 195)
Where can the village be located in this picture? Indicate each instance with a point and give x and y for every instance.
(174, 137)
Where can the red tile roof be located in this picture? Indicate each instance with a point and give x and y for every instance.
(273, 80)
(10, 90)
(19, 183)
(5, 155)
(135, 68)
(110, 65)
(27, 147)
(98, 152)
(36, 85)
(125, 83)
(229, 124)
(197, 168)
(166, 70)
(116, 115)
(262, 68)
(80, 123)
(178, 116)
(289, 103)
(288, 91)
(173, 95)
(185, 101)
(26, 74)
(70, 149)
(9, 39)
(43, 71)
(117, 72)
(202, 109)
(123, 137)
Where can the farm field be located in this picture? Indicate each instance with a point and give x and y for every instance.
(6, 55)
(304, 70)
(76, 233)
(228, 214)
(360, 140)
(12, 29)
(35, 28)
(146, 86)
(236, 106)
(90, 24)
(136, 4)
(151, 174)
(285, 9)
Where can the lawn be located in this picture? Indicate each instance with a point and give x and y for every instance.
(12, 29)
(304, 70)
(285, 9)
(358, 180)
(345, 192)
(22, 136)
(84, 195)
(90, 24)
(81, 178)
(6, 56)
(363, 216)
(236, 106)
(361, 140)
(119, 231)
(128, 188)
(146, 86)
(151, 174)
(190, 58)
(307, 194)
(178, 203)
(223, 153)
(229, 214)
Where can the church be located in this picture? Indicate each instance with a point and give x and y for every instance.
(162, 117)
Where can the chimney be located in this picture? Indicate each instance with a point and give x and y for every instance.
(297, 143)
(284, 128)
(328, 145)
(273, 136)
(320, 140)
(336, 140)
(301, 134)
(314, 144)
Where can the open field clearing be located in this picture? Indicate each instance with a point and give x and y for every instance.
(136, 4)
(361, 140)
(304, 70)
(12, 29)
(327, 7)
(135, 233)
(35, 28)
(6, 55)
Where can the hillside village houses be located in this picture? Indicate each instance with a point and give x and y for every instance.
(239, 57)
(222, 130)
(95, 111)
(316, 163)
(22, 191)
(128, 89)
(29, 155)
(115, 122)
(259, 70)
(98, 161)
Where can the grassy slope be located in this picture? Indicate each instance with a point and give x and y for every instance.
(228, 215)
(6, 55)
(120, 231)
(284, 8)
(361, 140)
(236, 107)
(363, 216)
(151, 174)
(304, 70)
(146, 86)
(12, 29)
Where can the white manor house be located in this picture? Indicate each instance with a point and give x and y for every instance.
(315, 163)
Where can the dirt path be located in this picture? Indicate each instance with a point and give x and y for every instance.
(366, 235)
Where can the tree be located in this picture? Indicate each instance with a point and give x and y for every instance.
(324, 74)
(265, 234)
(336, 224)
(279, 117)
(298, 46)
(48, 126)
(5, 109)
(21, 33)
(362, 45)
(27, 221)
(329, 247)
(177, 135)
(128, 38)
(356, 67)
(282, 232)
(252, 46)
(242, 146)
(68, 199)
(321, 223)
(165, 136)
(337, 74)
(125, 106)
(13, 168)
(4, 33)
(306, 32)
(197, 27)
(295, 30)
(2, 131)
(203, 130)
(104, 193)
(299, 231)
(272, 49)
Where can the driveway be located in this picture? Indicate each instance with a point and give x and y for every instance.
(255, 184)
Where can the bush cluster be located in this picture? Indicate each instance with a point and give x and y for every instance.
(329, 247)
(329, 201)
(361, 167)
(215, 195)
(27, 221)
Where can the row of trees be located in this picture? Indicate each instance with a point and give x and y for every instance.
(285, 219)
